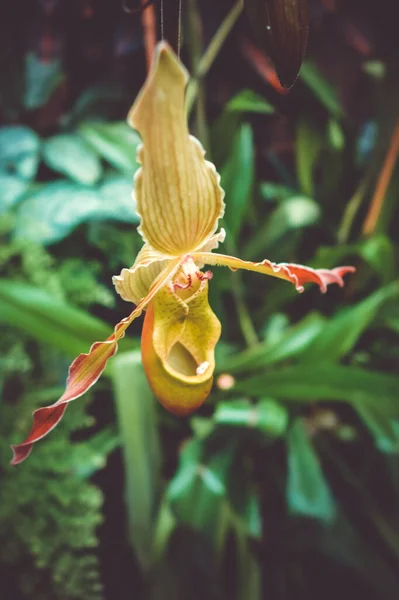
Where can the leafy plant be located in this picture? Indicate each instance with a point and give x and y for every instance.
(285, 483)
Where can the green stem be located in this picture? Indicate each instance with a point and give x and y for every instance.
(212, 51)
(351, 211)
(244, 318)
(195, 48)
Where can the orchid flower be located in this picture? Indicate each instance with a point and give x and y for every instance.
(180, 202)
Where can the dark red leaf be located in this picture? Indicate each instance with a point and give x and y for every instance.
(281, 28)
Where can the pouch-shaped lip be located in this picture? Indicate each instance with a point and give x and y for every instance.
(178, 343)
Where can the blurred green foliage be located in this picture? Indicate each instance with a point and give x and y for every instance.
(285, 484)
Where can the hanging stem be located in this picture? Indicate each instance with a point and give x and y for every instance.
(171, 23)
(384, 178)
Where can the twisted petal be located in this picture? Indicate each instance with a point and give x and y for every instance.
(133, 284)
(178, 194)
(83, 373)
(213, 242)
(296, 274)
(178, 343)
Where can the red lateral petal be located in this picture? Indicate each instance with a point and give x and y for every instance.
(296, 274)
(83, 373)
(323, 277)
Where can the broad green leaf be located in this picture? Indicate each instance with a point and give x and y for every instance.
(342, 331)
(295, 213)
(275, 191)
(248, 101)
(380, 252)
(325, 382)
(117, 199)
(222, 135)
(116, 142)
(197, 491)
(291, 344)
(389, 317)
(70, 155)
(12, 188)
(19, 151)
(19, 160)
(49, 320)
(267, 415)
(51, 212)
(308, 147)
(384, 430)
(275, 327)
(136, 412)
(321, 88)
(307, 492)
(103, 100)
(41, 79)
(238, 178)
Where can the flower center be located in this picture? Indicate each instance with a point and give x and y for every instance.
(182, 361)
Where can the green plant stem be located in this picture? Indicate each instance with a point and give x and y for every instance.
(351, 211)
(195, 49)
(211, 52)
(244, 318)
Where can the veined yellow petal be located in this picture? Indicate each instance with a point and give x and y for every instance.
(133, 284)
(178, 195)
(178, 343)
(299, 275)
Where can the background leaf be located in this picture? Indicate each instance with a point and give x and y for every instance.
(41, 79)
(116, 142)
(341, 332)
(70, 155)
(44, 318)
(307, 490)
(138, 429)
(321, 88)
(309, 384)
(19, 160)
(309, 143)
(238, 177)
(51, 212)
(248, 101)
